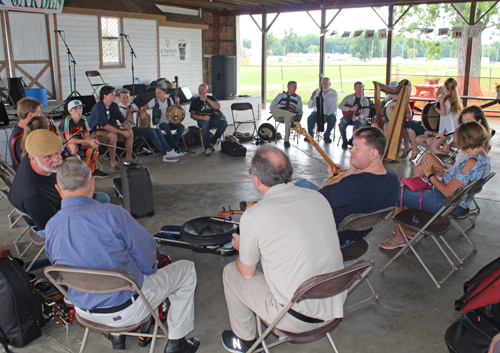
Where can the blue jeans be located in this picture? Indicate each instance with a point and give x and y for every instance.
(345, 122)
(205, 126)
(156, 137)
(419, 129)
(168, 127)
(98, 196)
(432, 200)
(330, 124)
(306, 184)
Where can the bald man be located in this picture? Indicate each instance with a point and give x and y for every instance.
(290, 249)
(205, 109)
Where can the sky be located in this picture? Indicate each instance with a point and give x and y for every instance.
(347, 20)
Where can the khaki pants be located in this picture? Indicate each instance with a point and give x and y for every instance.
(176, 281)
(286, 117)
(245, 298)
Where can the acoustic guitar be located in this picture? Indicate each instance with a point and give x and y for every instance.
(356, 112)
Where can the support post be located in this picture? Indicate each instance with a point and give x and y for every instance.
(263, 88)
(469, 53)
(389, 45)
(322, 45)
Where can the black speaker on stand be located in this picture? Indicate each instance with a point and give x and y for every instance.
(224, 76)
(16, 89)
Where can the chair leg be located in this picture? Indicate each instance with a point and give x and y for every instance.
(85, 338)
(462, 232)
(36, 258)
(15, 242)
(153, 341)
(25, 250)
(331, 342)
(374, 295)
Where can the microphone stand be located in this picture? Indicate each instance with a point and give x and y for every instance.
(132, 54)
(72, 70)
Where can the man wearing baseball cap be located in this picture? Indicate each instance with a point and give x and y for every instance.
(33, 191)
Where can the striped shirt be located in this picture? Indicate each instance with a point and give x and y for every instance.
(286, 101)
(68, 127)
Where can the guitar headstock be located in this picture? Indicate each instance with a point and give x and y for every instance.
(176, 80)
(296, 126)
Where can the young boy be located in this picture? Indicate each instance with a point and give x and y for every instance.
(75, 123)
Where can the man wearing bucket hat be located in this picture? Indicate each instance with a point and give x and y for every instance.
(33, 191)
(26, 109)
(76, 131)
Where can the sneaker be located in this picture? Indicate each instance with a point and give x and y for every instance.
(208, 152)
(327, 140)
(349, 142)
(115, 169)
(234, 344)
(179, 151)
(287, 144)
(168, 159)
(173, 154)
(305, 139)
(344, 145)
(212, 147)
(98, 174)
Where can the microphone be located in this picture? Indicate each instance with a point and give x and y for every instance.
(123, 34)
(58, 31)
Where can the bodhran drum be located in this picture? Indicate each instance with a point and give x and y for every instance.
(430, 118)
(267, 132)
(205, 232)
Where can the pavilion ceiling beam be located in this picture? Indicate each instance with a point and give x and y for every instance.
(333, 18)
(402, 15)
(484, 14)
(380, 17)
(468, 56)
(458, 12)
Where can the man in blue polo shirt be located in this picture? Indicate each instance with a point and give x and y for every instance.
(86, 233)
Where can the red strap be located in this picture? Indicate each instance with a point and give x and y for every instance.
(421, 195)
(12, 144)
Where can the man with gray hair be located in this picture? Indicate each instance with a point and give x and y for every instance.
(86, 233)
(291, 249)
(330, 105)
(32, 190)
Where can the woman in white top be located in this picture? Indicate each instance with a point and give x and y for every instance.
(450, 108)
(472, 113)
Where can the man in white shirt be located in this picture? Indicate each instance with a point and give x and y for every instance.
(154, 134)
(350, 104)
(330, 103)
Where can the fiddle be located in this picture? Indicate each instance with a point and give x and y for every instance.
(66, 152)
(92, 155)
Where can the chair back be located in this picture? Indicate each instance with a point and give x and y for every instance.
(365, 221)
(241, 106)
(333, 283)
(91, 281)
(92, 73)
(477, 186)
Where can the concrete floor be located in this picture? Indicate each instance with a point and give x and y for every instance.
(411, 314)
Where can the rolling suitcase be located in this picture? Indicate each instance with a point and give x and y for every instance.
(137, 189)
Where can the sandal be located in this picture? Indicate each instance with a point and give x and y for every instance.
(393, 243)
(413, 155)
(406, 153)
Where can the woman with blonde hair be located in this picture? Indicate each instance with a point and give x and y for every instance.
(449, 109)
(470, 138)
(35, 123)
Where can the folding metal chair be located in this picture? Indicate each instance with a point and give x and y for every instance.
(240, 107)
(431, 224)
(95, 86)
(103, 282)
(317, 287)
(361, 222)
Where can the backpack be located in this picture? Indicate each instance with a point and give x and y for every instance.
(474, 330)
(21, 316)
(193, 136)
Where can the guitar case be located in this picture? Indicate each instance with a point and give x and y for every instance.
(200, 235)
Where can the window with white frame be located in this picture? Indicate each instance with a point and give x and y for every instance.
(111, 44)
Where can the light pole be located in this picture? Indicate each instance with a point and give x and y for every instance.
(383, 43)
(403, 50)
(413, 50)
(371, 54)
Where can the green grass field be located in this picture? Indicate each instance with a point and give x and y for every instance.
(343, 77)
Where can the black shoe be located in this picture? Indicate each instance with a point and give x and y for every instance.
(327, 140)
(234, 344)
(344, 145)
(145, 328)
(98, 174)
(182, 345)
(287, 144)
(118, 341)
(306, 139)
(349, 142)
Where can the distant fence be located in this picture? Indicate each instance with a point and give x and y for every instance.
(344, 76)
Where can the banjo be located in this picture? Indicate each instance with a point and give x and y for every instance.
(176, 113)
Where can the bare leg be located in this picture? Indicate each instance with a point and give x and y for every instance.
(436, 162)
(112, 150)
(129, 142)
(398, 237)
(436, 146)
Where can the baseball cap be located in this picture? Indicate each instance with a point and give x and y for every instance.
(43, 142)
(75, 103)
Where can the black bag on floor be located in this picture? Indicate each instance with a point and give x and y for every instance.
(232, 147)
(470, 333)
(21, 316)
(137, 189)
